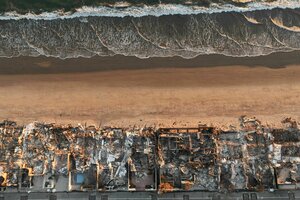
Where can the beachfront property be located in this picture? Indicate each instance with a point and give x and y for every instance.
(50, 158)
(188, 159)
(46, 157)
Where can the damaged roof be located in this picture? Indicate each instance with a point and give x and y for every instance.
(204, 158)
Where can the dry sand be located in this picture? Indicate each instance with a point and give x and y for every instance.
(162, 96)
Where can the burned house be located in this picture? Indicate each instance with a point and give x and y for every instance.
(187, 159)
(244, 158)
(142, 160)
(112, 158)
(35, 152)
(126, 159)
(44, 155)
(260, 172)
(285, 156)
(232, 166)
(244, 162)
(82, 159)
(59, 145)
(48, 157)
(10, 153)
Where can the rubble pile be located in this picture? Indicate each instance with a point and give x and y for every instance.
(142, 160)
(113, 156)
(254, 157)
(10, 153)
(244, 158)
(285, 155)
(188, 159)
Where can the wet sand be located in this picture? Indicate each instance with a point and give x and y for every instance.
(85, 91)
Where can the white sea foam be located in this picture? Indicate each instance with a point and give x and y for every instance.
(157, 10)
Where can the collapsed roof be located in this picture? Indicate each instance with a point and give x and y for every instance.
(203, 158)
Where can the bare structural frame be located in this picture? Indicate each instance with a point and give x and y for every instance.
(43, 157)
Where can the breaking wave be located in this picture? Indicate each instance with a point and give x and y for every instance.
(279, 23)
(156, 10)
(175, 33)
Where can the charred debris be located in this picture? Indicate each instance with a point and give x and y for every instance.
(48, 157)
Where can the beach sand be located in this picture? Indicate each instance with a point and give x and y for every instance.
(161, 92)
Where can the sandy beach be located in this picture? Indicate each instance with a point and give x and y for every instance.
(165, 92)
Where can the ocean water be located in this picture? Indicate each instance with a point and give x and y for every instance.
(164, 30)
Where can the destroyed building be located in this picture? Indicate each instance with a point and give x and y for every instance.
(50, 157)
(82, 158)
(113, 155)
(285, 155)
(10, 153)
(142, 166)
(187, 159)
(126, 160)
(244, 158)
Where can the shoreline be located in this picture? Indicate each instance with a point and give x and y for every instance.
(50, 65)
